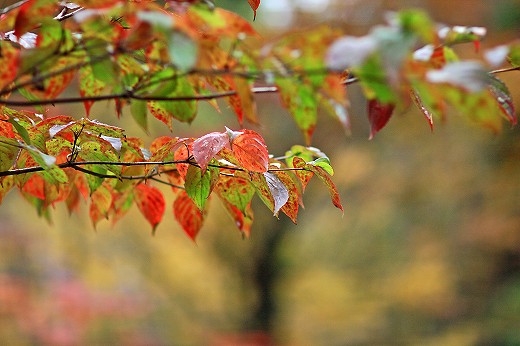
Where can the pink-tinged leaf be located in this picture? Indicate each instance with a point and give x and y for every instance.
(250, 151)
(425, 111)
(325, 178)
(254, 5)
(205, 147)
(378, 115)
(503, 98)
(150, 202)
(100, 203)
(188, 215)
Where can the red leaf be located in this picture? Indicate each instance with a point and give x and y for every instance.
(254, 5)
(250, 150)
(205, 148)
(150, 202)
(31, 13)
(188, 215)
(378, 115)
(35, 186)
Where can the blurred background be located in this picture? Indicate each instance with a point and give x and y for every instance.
(428, 251)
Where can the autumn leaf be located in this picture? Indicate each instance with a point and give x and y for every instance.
(150, 202)
(250, 151)
(325, 178)
(205, 147)
(188, 215)
(100, 203)
(236, 190)
(378, 115)
(31, 13)
(254, 5)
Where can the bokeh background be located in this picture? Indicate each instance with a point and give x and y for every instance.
(427, 253)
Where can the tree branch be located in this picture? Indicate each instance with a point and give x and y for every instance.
(77, 165)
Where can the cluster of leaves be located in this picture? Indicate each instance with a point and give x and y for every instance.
(73, 158)
(411, 60)
(163, 60)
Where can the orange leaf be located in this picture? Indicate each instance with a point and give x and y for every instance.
(150, 202)
(188, 215)
(250, 150)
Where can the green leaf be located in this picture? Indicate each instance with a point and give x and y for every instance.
(94, 151)
(8, 152)
(514, 55)
(417, 22)
(199, 185)
(324, 163)
(20, 130)
(139, 113)
(51, 172)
